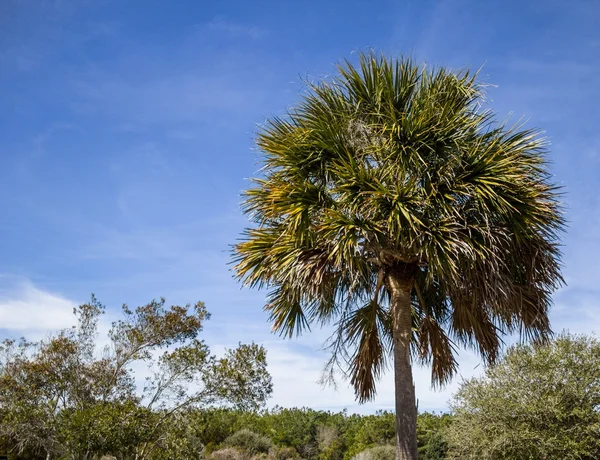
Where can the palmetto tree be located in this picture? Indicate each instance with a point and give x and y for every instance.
(393, 205)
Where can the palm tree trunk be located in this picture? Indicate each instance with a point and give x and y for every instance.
(401, 284)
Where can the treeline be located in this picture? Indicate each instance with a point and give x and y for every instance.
(310, 434)
(229, 434)
(62, 398)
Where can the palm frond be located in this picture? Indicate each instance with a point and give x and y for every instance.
(394, 163)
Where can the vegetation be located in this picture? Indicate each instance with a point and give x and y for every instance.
(394, 205)
(249, 442)
(377, 453)
(60, 398)
(283, 433)
(539, 402)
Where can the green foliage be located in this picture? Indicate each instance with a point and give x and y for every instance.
(539, 402)
(372, 430)
(249, 442)
(63, 398)
(431, 435)
(283, 453)
(312, 434)
(103, 427)
(240, 377)
(386, 452)
(119, 429)
(330, 444)
(392, 170)
(295, 428)
(228, 454)
(436, 447)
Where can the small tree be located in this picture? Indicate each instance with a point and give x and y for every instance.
(249, 442)
(394, 206)
(61, 398)
(539, 402)
(431, 435)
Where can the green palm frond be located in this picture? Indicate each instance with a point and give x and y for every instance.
(391, 163)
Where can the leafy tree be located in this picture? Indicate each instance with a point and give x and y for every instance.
(61, 398)
(431, 435)
(329, 442)
(372, 430)
(309, 433)
(249, 442)
(116, 428)
(295, 428)
(395, 206)
(538, 402)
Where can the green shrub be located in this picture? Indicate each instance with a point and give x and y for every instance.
(377, 453)
(539, 401)
(436, 447)
(228, 454)
(283, 453)
(248, 441)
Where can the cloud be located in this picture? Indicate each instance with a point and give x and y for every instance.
(192, 96)
(234, 29)
(296, 371)
(296, 367)
(576, 310)
(25, 309)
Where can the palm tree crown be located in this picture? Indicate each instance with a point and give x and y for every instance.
(394, 168)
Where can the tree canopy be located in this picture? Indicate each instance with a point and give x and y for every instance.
(393, 203)
(393, 163)
(64, 398)
(539, 401)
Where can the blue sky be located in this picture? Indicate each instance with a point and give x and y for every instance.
(126, 137)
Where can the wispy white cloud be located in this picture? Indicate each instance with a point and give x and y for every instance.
(41, 140)
(190, 96)
(296, 365)
(234, 29)
(24, 308)
(297, 370)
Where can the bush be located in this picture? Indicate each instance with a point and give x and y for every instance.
(436, 447)
(250, 442)
(538, 402)
(377, 453)
(431, 435)
(283, 453)
(228, 454)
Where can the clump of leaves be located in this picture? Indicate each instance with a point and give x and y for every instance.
(283, 453)
(540, 401)
(248, 441)
(377, 453)
(62, 397)
(228, 453)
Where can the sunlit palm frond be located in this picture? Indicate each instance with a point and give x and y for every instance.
(393, 164)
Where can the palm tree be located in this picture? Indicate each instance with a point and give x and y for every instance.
(392, 204)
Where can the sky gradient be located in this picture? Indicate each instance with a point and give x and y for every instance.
(127, 133)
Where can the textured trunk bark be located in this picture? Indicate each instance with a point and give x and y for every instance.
(400, 284)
